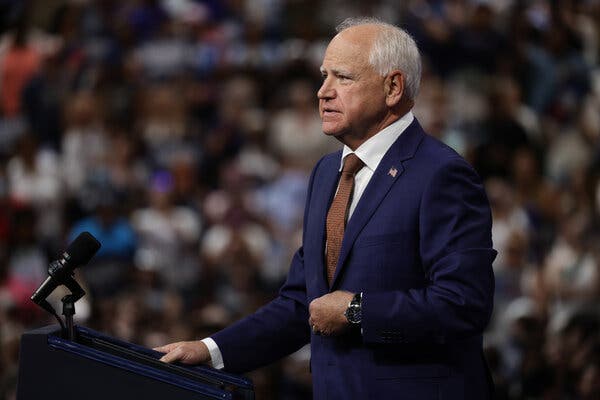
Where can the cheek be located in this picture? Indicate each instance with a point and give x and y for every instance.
(349, 103)
(355, 106)
(367, 103)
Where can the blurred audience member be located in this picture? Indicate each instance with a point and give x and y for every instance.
(84, 142)
(34, 179)
(571, 273)
(295, 133)
(168, 237)
(107, 273)
(17, 66)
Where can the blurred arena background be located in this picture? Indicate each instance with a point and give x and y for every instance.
(172, 131)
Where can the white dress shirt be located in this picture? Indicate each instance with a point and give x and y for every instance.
(370, 153)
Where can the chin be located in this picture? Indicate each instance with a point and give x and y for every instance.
(331, 131)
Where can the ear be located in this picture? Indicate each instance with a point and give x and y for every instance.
(394, 88)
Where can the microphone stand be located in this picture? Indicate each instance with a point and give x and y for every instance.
(69, 306)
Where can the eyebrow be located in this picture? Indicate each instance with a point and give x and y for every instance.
(336, 71)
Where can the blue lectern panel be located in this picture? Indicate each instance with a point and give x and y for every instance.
(125, 349)
(96, 366)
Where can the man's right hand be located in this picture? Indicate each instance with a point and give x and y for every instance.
(192, 352)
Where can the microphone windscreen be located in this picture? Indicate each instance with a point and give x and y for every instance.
(82, 249)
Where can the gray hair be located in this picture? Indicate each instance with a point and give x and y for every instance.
(393, 49)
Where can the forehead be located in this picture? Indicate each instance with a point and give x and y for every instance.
(349, 49)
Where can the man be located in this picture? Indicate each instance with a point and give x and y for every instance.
(392, 286)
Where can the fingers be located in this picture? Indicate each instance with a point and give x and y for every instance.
(313, 325)
(167, 347)
(314, 313)
(312, 306)
(177, 354)
(194, 352)
(315, 330)
(174, 352)
(320, 332)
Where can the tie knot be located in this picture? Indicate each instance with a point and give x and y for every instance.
(352, 164)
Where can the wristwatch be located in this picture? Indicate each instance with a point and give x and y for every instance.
(354, 311)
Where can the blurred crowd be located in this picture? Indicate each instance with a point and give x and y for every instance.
(181, 134)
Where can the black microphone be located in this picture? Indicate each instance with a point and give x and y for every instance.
(79, 253)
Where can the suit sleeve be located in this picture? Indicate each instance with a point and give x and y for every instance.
(456, 254)
(276, 329)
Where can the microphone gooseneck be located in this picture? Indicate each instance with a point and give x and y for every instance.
(79, 253)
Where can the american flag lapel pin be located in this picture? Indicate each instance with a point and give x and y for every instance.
(392, 172)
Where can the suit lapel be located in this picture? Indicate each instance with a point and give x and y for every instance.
(387, 173)
(327, 183)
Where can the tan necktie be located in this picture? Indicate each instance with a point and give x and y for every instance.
(336, 217)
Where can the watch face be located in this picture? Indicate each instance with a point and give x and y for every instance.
(353, 314)
(354, 311)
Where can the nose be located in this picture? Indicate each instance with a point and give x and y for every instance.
(326, 91)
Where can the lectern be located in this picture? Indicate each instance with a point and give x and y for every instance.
(94, 366)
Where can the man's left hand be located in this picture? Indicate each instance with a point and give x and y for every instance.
(327, 313)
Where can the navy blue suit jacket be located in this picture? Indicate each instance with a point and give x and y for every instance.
(419, 247)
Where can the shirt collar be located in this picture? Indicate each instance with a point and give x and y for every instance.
(372, 151)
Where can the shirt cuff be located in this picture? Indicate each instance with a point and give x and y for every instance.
(216, 358)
